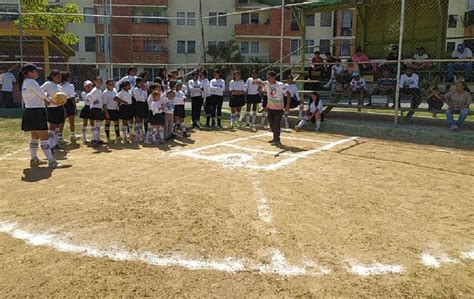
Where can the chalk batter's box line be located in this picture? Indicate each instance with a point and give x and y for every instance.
(194, 153)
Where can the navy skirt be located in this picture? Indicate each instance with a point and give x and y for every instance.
(55, 115)
(126, 112)
(237, 101)
(85, 112)
(34, 119)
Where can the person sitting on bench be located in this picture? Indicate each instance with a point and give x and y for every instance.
(409, 85)
(358, 88)
(435, 100)
(417, 63)
(386, 84)
(359, 57)
(317, 65)
(462, 52)
(458, 101)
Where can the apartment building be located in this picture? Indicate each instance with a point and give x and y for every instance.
(460, 24)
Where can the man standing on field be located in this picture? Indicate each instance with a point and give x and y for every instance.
(276, 93)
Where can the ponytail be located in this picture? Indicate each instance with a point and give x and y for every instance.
(21, 78)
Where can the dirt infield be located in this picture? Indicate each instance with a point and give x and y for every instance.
(226, 214)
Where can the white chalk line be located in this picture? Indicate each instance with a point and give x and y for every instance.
(374, 269)
(305, 139)
(259, 151)
(240, 160)
(9, 155)
(438, 259)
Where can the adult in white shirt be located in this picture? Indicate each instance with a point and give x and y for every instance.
(196, 99)
(253, 98)
(409, 84)
(214, 103)
(130, 77)
(6, 80)
(276, 94)
(70, 107)
(237, 100)
(34, 116)
(462, 52)
(417, 63)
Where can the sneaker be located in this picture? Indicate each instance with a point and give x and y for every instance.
(84, 141)
(197, 125)
(185, 134)
(271, 141)
(317, 129)
(276, 143)
(61, 142)
(297, 129)
(54, 164)
(36, 162)
(118, 139)
(148, 142)
(287, 127)
(454, 128)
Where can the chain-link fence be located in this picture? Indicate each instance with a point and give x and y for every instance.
(88, 38)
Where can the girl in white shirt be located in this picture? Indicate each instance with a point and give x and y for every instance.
(34, 115)
(216, 100)
(124, 98)
(169, 101)
(111, 110)
(206, 93)
(139, 95)
(296, 101)
(97, 110)
(86, 110)
(253, 98)
(156, 115)
(237, 100)
(313, 114)
(70, 106)
(179, 111)
(196, 99)
(55, 115)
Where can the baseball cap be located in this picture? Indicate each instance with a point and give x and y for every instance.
(29, 67)
(88, 82)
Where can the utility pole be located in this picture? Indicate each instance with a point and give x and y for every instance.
(282, 37)
(204, 55)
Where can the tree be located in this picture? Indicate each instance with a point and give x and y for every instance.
(55, 23)
(224, 54)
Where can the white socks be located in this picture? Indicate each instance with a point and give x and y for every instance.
(124, 132)
(153, 136)
(254, 118)
(302, 123)
(161, 133)
(84, 134)
(301, 112)
(287, 123)
(232, 118)
(34, 143)
(46, 148)
(263, 118)
(318, 125)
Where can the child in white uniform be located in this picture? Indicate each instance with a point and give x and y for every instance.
(55, 115)
(314, 113)
(237, 100)
(124, 98)
(156, 115)
(97, 110)
(179, 111)
(253, 98)
(111, 110)
(86, 110)
(169, 101)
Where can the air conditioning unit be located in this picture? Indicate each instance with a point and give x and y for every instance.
(469, 18)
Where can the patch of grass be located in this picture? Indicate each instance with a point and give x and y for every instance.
(12, 137)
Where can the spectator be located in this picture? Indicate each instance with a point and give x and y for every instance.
(6, 80)
(337, 76)
(392, 56)
(386, 84)
(458, 101)
(409, 83)
(351, 67)
(359, 57)
(358, 88)
(435, 100)
(330, 61)
(462, 52)
(317, 65)
(418, 58)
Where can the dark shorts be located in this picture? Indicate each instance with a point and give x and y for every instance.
(157, 119)
(126, 112)
(70, 107)
(294, 102)
(114, 115)
(264, 101)
(141, 109)
(85, 112)
(253, 99)
(237, 101)
(34, 119)
(97, 114)
(179, 111)
(55, 115)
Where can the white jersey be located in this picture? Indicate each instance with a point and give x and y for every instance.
(68, 89)
(195, 88)
(251, 86)
(168, 103)
(126, 96)
(313, 107)
(180, 98)
(131, 79)
(51, 89)
(95, 98)
(185, 88)
(108, 98)
(217, 87)
(139, 94)
(157, 107)
(237, 85)
(32, 94)
(337, 70)
(411, 82)
(358, 84)
(6, 80)
(84, 98)
(275, 93)
(206, 88)
(293, 90)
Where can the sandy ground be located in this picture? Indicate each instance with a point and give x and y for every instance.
(362, 202)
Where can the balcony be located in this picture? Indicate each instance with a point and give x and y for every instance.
(264, 29)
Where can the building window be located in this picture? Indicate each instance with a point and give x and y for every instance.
(245, 47)
(222, 19)
(311, 20)
(213, 19)
(149, 15)
(245, 18)
(212, 43)
(181, 47)
(450, 47)
(325, 45)
(309, 46)
(191, 18)
(249, 18)
(101, 49)
(151, 46)
(326, 19)
(345, 47)
(181, 21)
(255, 47)
(347, 23)
(8, 8)
(470, 5)
(453, 21)
(295, 45)
(190, 49)
(89, 43)
(294, 24)
(88, 11)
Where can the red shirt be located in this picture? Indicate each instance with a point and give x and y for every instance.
(317, 59)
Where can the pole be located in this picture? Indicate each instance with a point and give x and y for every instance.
(399, 63)
(203, 43)
(109, 38)
(20, 29)
(282, 37)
